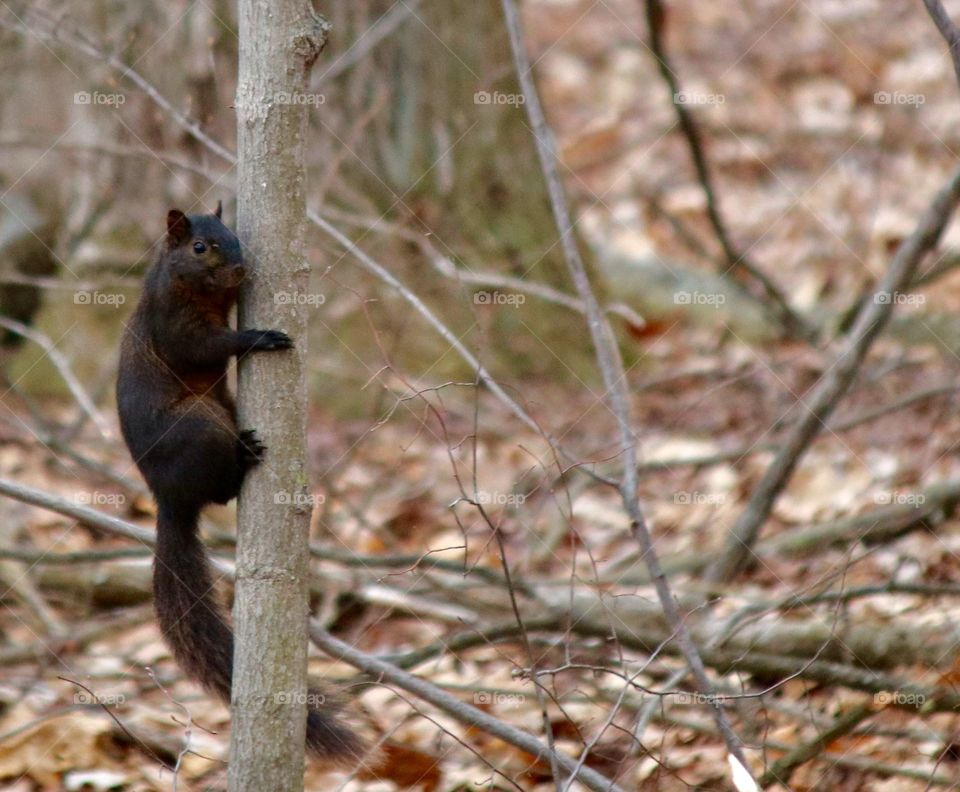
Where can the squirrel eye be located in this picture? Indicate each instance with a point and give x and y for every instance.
(199, 247)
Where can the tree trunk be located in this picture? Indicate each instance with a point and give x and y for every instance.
(279, 41)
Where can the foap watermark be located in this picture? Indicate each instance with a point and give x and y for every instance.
(693, 697)
(298, 98)
(899, 698)
(498, 98)
(95, 498)
(699, 298)
(698, 98)
(499, 298)
(285, 498)
(898, 98)
(109, 700)
(899, 298)
(99, 98)
(311, 698)
(260, 701)
(686, 498)
(500, 498)
(313, 299)
(497, 699)
(900, 499)
(113, 299)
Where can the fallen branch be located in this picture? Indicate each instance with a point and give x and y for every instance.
(893, 644)
(462, 712)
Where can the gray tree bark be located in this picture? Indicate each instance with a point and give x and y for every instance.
(279, 42)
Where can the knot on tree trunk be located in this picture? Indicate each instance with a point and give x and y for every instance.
(309, 42)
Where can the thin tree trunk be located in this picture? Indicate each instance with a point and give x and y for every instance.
(279, 41)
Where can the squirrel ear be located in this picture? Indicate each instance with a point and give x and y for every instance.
(219, 213)
(178, 226)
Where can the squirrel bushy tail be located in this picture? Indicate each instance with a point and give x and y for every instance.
(185, 602)
(198, 635)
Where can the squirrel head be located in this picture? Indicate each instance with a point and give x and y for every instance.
(202, 253)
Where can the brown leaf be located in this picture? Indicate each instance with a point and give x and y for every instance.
(406, 767)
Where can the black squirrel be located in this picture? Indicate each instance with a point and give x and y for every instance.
(178, 419)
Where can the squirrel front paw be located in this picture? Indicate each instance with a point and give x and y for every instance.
(268, 340)
(250, 449)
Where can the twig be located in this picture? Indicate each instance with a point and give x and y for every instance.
(187, 727)
(448, 269)
(652, 703)
(614, 378)
(459, 710)
(871, 319)
(114, 718)
(737, 260)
